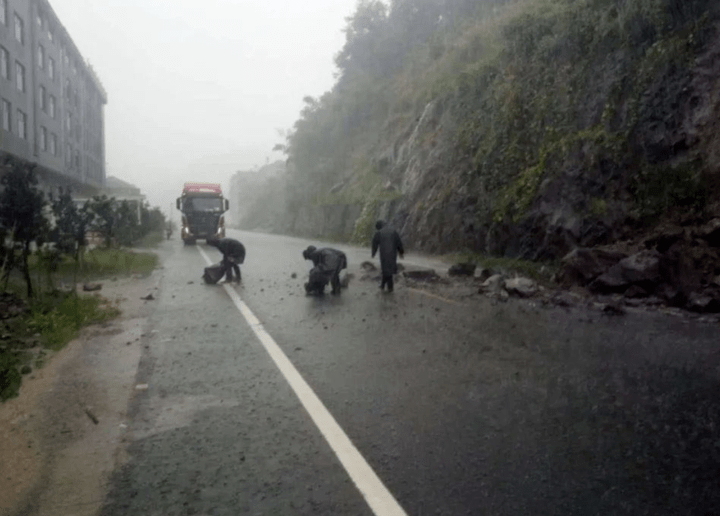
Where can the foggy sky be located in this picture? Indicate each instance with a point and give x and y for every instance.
(198, 89)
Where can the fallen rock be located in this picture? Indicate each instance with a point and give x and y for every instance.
(149, 297)
(641, 269)
(421, 274)
(613, 309)
(521, 287)
(293, 275)
(492, 285)
(92, 287)
(482, 274)
(583, 265)
(710, 232)
(564, 299)
(462, 269)
(636, 292)
(707, 301)
(368, 266)
(664, 237)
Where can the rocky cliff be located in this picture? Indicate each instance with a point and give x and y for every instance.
(576, 124)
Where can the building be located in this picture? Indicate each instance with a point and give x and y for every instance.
(51, 101)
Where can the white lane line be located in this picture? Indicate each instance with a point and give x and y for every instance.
(377, 496)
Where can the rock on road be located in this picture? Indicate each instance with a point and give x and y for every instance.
(459, 408)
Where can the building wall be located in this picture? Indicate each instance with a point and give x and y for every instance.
(63, 100)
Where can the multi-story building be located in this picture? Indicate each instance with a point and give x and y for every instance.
(51, 101)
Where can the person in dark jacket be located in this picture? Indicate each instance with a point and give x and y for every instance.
(327, 264)
(388, 242)
(233, 255)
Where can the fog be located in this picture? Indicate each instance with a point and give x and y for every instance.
(198, 90)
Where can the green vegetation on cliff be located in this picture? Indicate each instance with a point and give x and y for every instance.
(579, 108)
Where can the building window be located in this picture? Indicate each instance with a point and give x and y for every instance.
(6, 115)
(51, 68)
(19, 29)
(19, 76)
(67, 89)
(42, 98)
(68, 123)
(3, 12)
(43, 138)
(41, 57)
(51, 106)
(4, 63)
(39, 20)
(53, 144)
(68, 155)
(21, 124)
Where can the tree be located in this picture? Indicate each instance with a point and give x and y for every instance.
(21, 213)
(71, 225)
(104, 221)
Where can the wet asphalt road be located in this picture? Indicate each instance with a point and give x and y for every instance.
(459, 408)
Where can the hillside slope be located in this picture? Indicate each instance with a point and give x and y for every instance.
(520, 128)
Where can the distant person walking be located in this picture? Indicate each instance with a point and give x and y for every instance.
(388, 242)
(233, 254)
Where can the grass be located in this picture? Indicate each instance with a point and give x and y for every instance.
(58, 320)
(102, 263)
(55, 317)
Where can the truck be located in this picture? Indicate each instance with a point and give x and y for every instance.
(202, 207)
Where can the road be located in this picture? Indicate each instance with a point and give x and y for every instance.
(439, 407)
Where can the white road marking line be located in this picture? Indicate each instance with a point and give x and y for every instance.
(377, 496)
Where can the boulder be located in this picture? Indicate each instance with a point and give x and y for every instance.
(92, 287)
(706, 301)
(521, 287)
(482, 274)
(492, 285)
(368, 266)
(583, 265)
(664, 237)
(710, 232)
(642, 269)
(462, 269)
(635, 292)
(420, 274)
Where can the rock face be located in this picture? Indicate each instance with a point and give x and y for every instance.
(582, 158)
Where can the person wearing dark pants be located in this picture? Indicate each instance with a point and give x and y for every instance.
(233, 255)
(388, 242)
(327, 264)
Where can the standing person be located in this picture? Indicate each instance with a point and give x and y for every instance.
(388, 241)
(327, 263)
(233, 254)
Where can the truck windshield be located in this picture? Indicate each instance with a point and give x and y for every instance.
(213, 204)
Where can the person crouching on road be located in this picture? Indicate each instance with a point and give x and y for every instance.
(327, 263)
(233, 255)
(390, 245)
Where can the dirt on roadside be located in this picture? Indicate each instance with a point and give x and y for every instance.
(59, 439)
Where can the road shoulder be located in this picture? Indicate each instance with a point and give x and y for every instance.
(60, 439)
